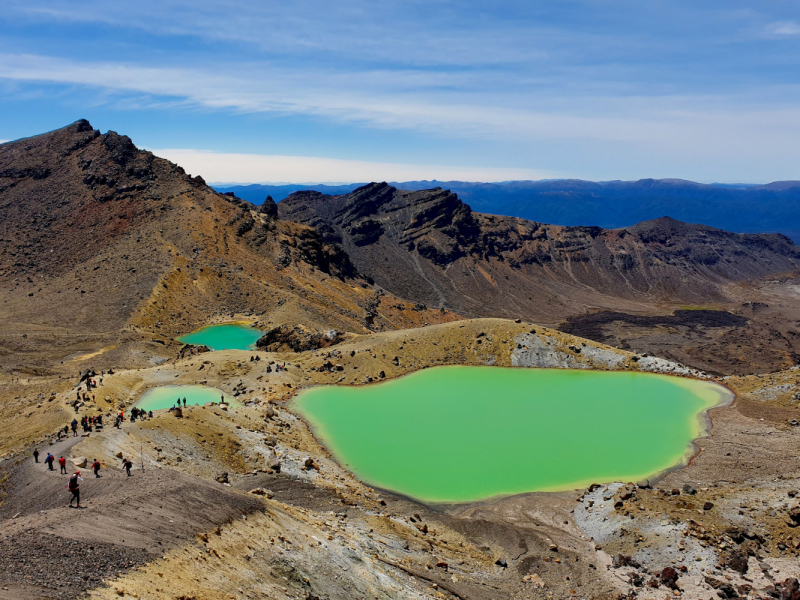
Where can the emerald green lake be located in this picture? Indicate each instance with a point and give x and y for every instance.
(166, 396)
(229, 336)
(459, 434)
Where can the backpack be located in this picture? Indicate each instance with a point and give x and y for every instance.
(73, 483)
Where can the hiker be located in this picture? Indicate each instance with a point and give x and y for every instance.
(63, 464)
(74, 427)
(150, 414)
(117, 421)
(49, 461)
(74, 486)
(127, 464)
(184, 402)
(36, 453)
(96, 468)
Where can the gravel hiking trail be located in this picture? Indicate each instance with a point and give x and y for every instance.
(52, 551)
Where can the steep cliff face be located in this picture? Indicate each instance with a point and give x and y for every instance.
(97, 235)
(429, 246)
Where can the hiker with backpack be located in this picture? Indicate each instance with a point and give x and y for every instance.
(96, 468)
(127, 464)
(49, 461)
(74, 487)
(63, 464)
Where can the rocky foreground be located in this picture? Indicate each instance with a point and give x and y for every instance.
(244, 503)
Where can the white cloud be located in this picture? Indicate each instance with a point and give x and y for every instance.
(784, 28)
(690, 124)
(221, 167)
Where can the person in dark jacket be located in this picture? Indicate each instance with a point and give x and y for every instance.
(74, 487)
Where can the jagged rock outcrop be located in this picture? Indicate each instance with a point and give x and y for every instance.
(297, 338)
(429, 247)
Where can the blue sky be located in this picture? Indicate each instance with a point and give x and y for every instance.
(308, 91)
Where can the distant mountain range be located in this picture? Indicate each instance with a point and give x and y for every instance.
(430, 247)
(741, 208)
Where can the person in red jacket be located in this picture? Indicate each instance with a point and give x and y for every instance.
(63, 464)
(96, 467)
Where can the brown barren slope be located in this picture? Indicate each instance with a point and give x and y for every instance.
(428, 246)
(105, 246)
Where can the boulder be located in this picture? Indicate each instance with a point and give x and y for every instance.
(269, 412)
(222, 478)
(192, 350)
(262, 492)
(669, 578)
(535, 579)
(734, 559)
(273, 463)
(80, 462)
(622, 560)
(297, 338)
(689, 489)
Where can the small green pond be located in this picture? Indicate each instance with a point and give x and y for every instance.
(228, 336)
(166, 396)
(459, 434)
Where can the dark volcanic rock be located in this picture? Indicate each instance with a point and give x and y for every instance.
(430, 247)
(269, 208)
(297, 339)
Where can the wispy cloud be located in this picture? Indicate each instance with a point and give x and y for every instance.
(257, 168)
(665, 86)
(784, 29)
(396, 102)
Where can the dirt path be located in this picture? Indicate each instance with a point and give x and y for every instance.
(52, 551)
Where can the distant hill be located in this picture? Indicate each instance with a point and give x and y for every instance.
(741, 208)
(430, 247)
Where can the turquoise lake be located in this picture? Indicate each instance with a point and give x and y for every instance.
(166, 396)
(228, 336)
(459, 434)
